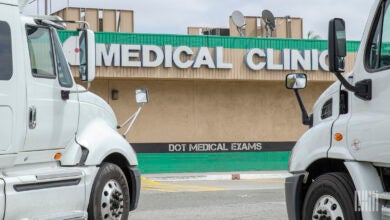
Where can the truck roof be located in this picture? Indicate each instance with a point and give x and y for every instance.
(9, 2)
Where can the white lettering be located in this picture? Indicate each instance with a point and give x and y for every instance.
(286, 59)
(129, 53)
(218, 56)
(203, 57)
(270, 61)
(168, 56)
(177, 147)
(303, 60)
(322, 60)
(249, 59)
(109, 55)
(182, 57)
(314, 60)
(176, 57)
(147, 50)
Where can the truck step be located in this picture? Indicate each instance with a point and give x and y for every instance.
(385, 213)
(381, 196)
(69, 216)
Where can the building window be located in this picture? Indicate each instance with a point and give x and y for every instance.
(100, 22)
(82, 16)
(118, 21)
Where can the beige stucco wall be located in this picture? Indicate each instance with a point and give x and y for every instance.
(200, 111)
(211, 105)
(92, 17)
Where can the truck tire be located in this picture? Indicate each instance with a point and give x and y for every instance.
(331, 196)
(110, 197)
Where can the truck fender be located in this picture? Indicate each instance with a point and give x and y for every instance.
(312, 146)
(366, 179)
(101, 140)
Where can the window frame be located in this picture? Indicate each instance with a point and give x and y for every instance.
(56, 60)
(379, 20)
(11, 74)
(327, 103)
(37, 75)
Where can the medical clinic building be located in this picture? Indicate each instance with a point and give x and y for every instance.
(216, 103)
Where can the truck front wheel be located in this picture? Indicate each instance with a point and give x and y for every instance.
(331, 196)
(110, 197)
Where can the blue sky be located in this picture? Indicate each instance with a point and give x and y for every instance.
(174, 16)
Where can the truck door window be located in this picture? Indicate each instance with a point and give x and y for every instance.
(41, 51)
(5, 51)
(378, 51)
(64, 75)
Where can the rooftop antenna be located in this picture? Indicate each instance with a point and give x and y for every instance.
(269, 21)
(239, 20)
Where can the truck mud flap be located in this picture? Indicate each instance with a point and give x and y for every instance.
(293, 191)
(135, 186)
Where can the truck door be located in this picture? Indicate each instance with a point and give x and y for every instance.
(369, 125)
(52, 118)
(12, 84)
(7, 104)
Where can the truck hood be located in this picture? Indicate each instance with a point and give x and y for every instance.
(335, 87)
(95, 101)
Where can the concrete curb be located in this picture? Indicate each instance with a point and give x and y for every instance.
(170, 177)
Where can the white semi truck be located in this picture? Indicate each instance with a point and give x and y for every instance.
(341, 165)
(61, 156)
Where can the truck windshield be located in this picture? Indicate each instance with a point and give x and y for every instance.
(378, 55)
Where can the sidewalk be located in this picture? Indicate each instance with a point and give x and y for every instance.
(239, 175)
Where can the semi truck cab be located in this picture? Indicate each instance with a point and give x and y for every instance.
(61, 156)
(341, 165)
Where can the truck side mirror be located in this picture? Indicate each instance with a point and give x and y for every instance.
(337, 45)
(87, 55)
(296, 81)
(141, 96)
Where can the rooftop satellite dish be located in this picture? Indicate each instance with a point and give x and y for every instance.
(269, 20)
(239, 20)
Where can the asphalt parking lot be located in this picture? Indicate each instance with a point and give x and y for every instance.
(212, 199)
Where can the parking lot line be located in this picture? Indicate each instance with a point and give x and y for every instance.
(266, 180)
(148, 184)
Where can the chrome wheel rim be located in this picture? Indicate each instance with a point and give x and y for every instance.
(327, 207)
(112, 201)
